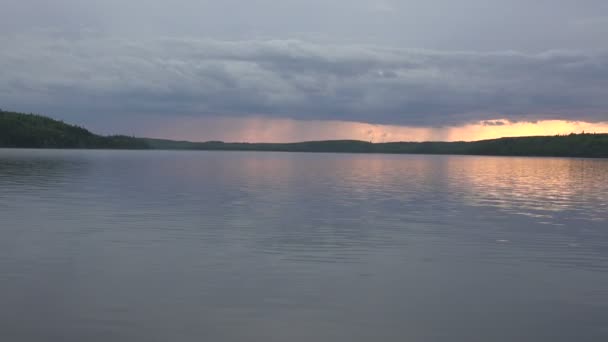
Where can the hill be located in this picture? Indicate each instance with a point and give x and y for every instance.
(35, 131)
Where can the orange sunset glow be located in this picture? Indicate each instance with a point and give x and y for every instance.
(286, 130)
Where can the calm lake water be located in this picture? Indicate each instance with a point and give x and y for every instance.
(231, 246)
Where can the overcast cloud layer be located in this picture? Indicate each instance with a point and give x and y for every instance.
(418, 63)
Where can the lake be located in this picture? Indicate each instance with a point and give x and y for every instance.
(260, 246)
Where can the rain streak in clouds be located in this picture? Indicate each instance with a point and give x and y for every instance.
(179, 70)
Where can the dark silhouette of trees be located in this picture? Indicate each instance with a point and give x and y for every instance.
(35, 131)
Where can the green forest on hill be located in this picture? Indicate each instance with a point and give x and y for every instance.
(20, 130)
(36, 131)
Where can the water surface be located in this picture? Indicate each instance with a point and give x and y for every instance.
(254, 246)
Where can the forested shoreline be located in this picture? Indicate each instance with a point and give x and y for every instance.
(19, 130)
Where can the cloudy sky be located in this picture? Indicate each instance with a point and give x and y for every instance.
(262, 70)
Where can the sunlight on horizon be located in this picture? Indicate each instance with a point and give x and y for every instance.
(287, 130)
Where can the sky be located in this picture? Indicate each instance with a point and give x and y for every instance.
(292, 70)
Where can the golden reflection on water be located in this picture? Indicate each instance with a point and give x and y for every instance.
(300, 241)
(535, 187)
(544, 189)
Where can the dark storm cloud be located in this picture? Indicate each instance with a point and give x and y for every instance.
(494, 123)
(93, 74)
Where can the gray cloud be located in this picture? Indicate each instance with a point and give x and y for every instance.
(92, 74)
(479, 25)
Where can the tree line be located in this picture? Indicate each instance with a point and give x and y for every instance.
(35, 131)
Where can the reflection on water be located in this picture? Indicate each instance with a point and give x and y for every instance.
(539, 187)
(189, 246)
